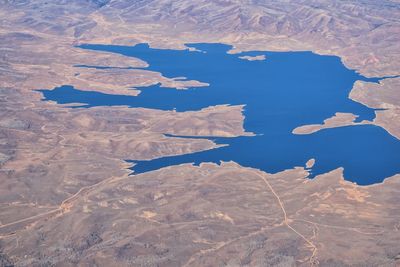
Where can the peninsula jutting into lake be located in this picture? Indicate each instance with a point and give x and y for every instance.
(283, 91)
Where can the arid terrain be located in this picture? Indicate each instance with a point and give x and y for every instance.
(67, 195)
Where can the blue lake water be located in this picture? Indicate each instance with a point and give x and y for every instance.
(287, 90)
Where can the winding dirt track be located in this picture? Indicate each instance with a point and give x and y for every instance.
(64, 207)
(313, 258)
(67, 204)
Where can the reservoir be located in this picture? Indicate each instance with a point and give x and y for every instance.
(280, 93)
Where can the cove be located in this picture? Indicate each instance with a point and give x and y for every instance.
(287, 90)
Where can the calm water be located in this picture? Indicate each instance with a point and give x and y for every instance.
(283, 92)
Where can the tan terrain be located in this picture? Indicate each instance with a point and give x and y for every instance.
(67, 197)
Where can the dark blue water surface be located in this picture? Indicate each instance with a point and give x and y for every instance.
(283, 92)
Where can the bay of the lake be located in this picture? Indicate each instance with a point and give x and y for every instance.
(280, 93)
